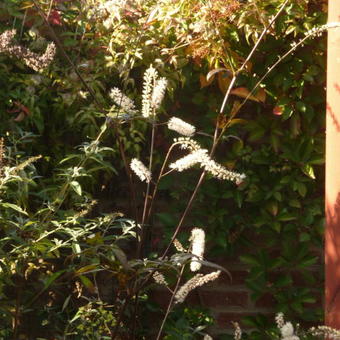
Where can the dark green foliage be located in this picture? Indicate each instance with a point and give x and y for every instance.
(55, 242)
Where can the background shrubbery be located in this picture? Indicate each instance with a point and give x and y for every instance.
(60, 249)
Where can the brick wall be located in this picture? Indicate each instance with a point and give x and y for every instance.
(230, 300)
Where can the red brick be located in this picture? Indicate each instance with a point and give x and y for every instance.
(238, 278)
(213, 299)
(266, 301)
(224, 319)
(161, 297)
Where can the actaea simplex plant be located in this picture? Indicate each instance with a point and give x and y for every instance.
(153, 93)
(123, 111)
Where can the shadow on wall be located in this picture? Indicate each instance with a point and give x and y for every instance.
(332, 261)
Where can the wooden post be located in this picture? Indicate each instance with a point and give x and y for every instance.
(332, 193)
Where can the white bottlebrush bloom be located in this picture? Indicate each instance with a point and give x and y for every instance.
(318, 30)
(158, 92)
(207, 337)
(159, 278)
(197, 248)
(325, 331)
(237, 332)
(196, 281)
(140, 170)
(181, 127)
(189, 161)
(150, 77)
(124, 102)
(287, 330)
(33, 60)
(220, 172)
(280, 321)
(187, 143)
(200, 156)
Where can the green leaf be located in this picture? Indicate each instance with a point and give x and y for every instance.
(14, 207)
(294, 203)
(248, 259)
(76, 187)
(87, 269)
(53, 277)
(302, 189)
(308, 170)
(87, 283)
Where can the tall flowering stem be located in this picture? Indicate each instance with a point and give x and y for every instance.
(171, 303)
(217, 133)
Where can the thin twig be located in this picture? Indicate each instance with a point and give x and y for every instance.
(146, 199)
(161, 174)
(170, 305)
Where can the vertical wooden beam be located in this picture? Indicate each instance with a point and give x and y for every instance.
(332, 234)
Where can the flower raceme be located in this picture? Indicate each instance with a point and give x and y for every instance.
(158, 92)
(196, 281)
(150, 77)
(197, 248)
(33, 60)
(200, 156)
(140, 170)
(122, 101)
(181, 127)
